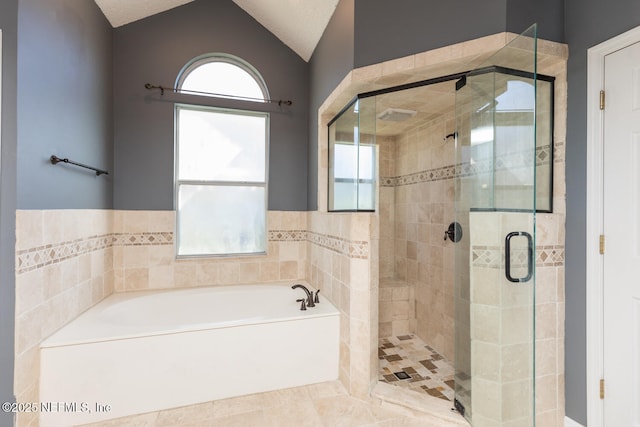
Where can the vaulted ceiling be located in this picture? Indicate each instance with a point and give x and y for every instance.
(297, 23)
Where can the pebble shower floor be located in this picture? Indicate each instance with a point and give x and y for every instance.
(427, 371)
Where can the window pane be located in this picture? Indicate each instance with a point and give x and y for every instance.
(345, 161)
(220, 146)
(217, 220)
(222, 78)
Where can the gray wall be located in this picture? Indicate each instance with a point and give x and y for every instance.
(587, 23)
(9, 27)
(365, 32)
(386, 30)
(154, 50)
(548, 14)
(64, 104)
(330, 63)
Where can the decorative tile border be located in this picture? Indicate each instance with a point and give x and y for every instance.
(550, 256)
(287, 235)
(511, 160)
(41, 256)
(352, 249)
(493, 256)
(143, 239)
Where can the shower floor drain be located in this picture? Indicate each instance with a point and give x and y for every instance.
(402, 375)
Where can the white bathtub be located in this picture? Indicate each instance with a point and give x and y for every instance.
(147, 351)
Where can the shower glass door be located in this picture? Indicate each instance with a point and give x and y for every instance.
(495, 259)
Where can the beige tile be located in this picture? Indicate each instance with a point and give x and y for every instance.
(486, 361)
(207, 273)
(326, 389)
(136, 279)
(184, 274)
(249, 272)
(269, 271)
(144, 420)
(546, 357)
(27, 370)
(53, 231)
(486, 398)
(246, 419)
(85, 296)
(517, 400)
(97, 289)
(28, 329)
(29, 229)
(84, 267)
(546, 321)
(186, 415)
(288, 270)
(284, 396)
(135, 256)
(161, 221)
(29, 290)
(161, 277)
(237, 405)
(135, 221)
(343, 412)
(161, 255)
(300, 413)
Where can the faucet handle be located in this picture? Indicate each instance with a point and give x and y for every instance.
(316, 300)
(303, 305)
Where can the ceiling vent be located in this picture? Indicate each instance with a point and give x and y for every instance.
(396, 115)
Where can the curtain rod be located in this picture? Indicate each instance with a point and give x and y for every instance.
(55, 160)
(280, 102)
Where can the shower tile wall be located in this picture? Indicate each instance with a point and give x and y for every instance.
(416, 206)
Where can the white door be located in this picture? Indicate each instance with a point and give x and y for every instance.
(621, 197)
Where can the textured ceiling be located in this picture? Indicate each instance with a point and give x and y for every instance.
(297, 23)
(121, 12)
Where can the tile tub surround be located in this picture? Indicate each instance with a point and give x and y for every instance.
(64, 265)
(341, 248)
(550, 285)
(68, 260)
(144, 256)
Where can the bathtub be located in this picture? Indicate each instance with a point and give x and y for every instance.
(139, 352)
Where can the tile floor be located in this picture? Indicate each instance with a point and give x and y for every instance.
(428, 371)
(319, 405)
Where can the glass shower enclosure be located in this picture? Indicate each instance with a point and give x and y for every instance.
(502, 176)
(503, 114)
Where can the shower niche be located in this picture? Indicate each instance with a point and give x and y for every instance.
(456, 316)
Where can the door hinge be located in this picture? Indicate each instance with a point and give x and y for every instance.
(602, 99)
(602, 389)
(602, 244)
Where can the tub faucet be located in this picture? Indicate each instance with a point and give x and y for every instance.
(310, 302)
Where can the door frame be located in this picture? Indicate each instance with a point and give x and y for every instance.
(595, 217)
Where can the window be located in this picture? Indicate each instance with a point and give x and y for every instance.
(221, 164)
(352, 158)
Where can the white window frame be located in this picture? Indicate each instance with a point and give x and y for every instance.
(192, 65)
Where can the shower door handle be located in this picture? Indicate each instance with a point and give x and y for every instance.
(507, 257)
